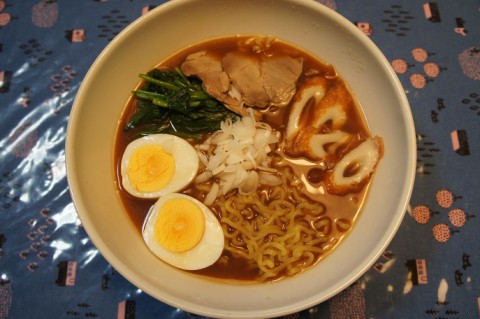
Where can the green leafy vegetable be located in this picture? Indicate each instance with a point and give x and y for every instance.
(169, 102)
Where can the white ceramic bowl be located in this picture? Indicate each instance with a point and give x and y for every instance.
(175, 25)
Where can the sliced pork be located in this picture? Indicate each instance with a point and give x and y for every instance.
(279, 77)
(208, 68)
(245, 74)
(241, 81)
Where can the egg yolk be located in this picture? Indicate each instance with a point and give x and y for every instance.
(150, 168)
(180, 225)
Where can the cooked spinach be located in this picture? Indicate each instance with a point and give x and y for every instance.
(170, 102)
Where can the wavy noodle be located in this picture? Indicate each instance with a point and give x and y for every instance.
(273, 229)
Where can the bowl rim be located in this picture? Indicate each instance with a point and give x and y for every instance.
(359, 270)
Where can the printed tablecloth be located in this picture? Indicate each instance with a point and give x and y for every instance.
(49, 267)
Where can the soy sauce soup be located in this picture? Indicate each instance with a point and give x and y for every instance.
(303, 204)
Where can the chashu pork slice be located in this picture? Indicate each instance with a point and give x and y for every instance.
(246, 76)
(279, 77)
(240, 80)
(208, 68)
(263, 81)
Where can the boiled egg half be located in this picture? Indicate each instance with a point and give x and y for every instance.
(158, 164)
(183, 232)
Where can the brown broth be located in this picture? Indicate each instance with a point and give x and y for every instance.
(340, 209)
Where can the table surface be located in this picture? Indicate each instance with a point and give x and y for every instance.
(430, 269)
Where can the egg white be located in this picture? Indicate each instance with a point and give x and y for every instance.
(204, 254)
(184, 155)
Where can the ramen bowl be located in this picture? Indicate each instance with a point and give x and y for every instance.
(179, 24)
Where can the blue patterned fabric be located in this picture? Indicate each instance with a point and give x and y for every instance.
(50, 269)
